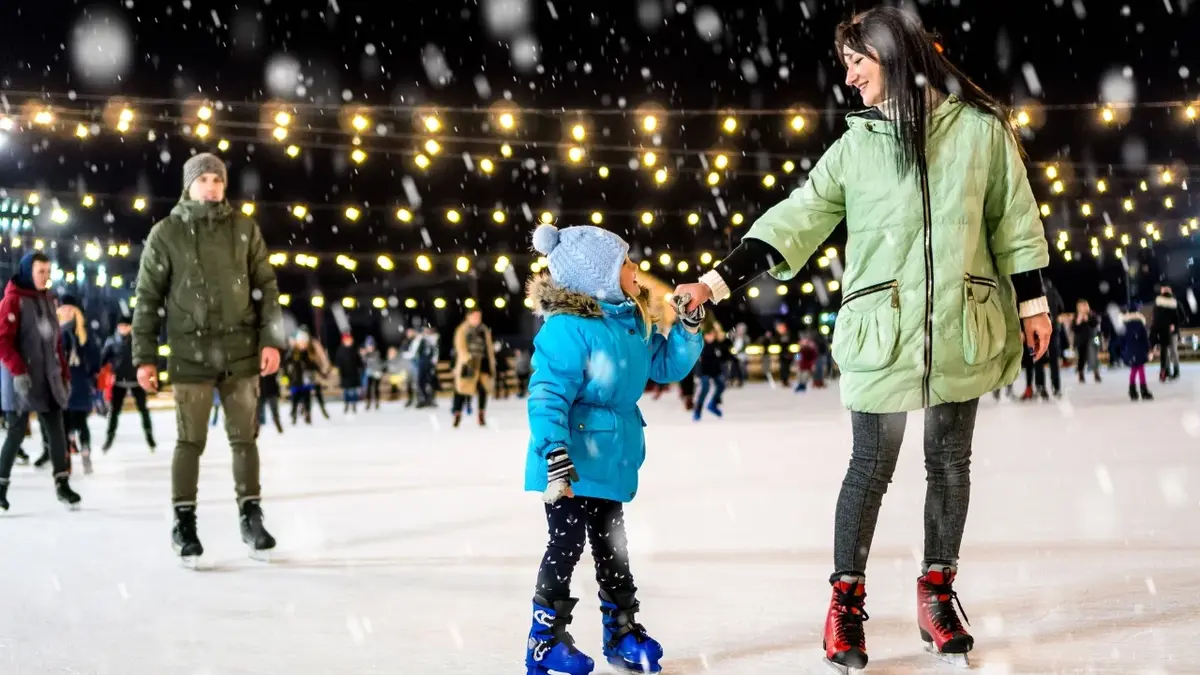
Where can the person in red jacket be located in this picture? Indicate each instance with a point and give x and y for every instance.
(35, 377)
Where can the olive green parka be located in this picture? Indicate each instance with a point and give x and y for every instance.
(205, 273)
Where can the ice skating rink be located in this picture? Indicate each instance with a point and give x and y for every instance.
(409, 547)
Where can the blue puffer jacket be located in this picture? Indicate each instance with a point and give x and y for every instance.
(83, 360)
(1136, 345)
(591, 362)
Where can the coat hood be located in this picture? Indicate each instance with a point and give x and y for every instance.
(187, 209)
(1134, 316)
(14, 288)
(1166, 302)
(548, 299)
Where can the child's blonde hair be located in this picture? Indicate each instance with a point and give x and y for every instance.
(641, 301)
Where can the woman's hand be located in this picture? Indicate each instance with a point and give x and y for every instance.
(1038, 331)
(699, 293)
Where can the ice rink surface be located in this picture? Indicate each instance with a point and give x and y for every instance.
(409, 547)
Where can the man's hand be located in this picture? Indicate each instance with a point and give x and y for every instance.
(1038, 332)
(148, 377)
(698, 292)
(269, 363)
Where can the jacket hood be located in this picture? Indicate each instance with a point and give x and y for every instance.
(548, 299)
(1166, 302)
(1134, 316)
(186, 209)
(13, 288)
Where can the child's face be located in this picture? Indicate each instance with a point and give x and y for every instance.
(629, 279)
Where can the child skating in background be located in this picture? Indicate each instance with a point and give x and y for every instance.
(806, 363)
(1137, 354)
(713, 356)
(591, 361)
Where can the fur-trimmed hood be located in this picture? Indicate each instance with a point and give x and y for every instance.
(548, 299)
(1166, 302)
(1134, 316)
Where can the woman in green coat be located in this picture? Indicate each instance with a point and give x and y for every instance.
(943, 254)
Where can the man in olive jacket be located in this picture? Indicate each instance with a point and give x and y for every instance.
(204, 272)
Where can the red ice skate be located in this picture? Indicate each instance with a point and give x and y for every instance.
(845, 642)
(941, 628)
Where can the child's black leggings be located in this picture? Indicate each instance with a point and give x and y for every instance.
(570, 520)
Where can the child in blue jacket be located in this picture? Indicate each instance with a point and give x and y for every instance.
(591, 361)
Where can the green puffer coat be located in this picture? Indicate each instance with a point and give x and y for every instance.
(928, 313)
(205, 271)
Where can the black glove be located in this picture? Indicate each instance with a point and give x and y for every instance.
(560, 473)
(691, 320)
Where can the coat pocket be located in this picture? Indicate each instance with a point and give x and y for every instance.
(595, 443)
(867, 331)
(984, 327)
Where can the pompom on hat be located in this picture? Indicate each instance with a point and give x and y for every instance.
(584, 259)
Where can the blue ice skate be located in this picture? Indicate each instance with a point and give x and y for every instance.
(551, 649)
(626, 645)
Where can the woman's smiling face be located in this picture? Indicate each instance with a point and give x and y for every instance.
(864, 74)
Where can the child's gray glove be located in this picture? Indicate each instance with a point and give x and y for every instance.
(560, 473)
(691, 320)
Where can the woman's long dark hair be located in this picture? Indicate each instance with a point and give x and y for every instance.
(911, 62)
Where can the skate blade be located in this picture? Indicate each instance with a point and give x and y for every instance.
(621, 665)
(71, 507)
(844, 670)
(263, 556)
(956, 660)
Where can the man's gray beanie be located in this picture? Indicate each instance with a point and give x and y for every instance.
(197, 166)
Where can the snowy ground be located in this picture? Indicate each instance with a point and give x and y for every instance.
(408, 547)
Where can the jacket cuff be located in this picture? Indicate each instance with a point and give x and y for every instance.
(720, 290)
(1033, 307)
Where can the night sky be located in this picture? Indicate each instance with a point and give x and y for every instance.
(556, 64)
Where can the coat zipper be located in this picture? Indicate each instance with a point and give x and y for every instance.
(971, 279)
(927, 218)
(875, 288)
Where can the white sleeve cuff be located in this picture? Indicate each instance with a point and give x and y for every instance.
(720, 290)
(1033, 307)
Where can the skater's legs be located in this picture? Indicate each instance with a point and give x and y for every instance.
(238, 398)
(114, 410)
(81, 428)
(876, 446)
(482, 393)
(274, 404)
(702, 396)
(193, 403)
(949, 429)
(567, 523)
(1140, 372)
(319, 393)
(610, 546)
(54, 434)
(457, 403)
(139, 399)
(13, 436)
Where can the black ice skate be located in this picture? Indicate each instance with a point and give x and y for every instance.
(3, 496)
(253, 533)
(65, 494)
(184, 540)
